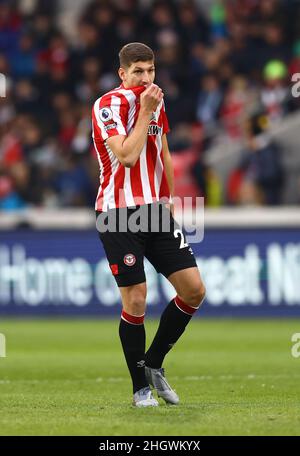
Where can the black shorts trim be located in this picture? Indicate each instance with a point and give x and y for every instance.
(126, 280)
(180, 267)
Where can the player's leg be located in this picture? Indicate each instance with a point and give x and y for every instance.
(174, 319)
(132, 332)
(179, 266)
(189, 286)
(133, 340)
(125, 254)
(171, 255)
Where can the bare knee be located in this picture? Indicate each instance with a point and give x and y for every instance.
(134, 300)
(195, 295)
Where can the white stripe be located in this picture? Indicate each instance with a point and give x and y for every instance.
(129, 94)
(131, 98)
(127, 189)
(144, 175)
(99, 122)
(115, 107)
(131, 116)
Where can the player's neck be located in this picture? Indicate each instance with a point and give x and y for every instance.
(125, 85)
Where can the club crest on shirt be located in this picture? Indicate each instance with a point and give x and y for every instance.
(106, 114)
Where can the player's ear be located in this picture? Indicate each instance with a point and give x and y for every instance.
(121, 73)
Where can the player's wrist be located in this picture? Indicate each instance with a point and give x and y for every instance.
(145, 112)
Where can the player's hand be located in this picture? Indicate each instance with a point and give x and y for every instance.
(150, 98)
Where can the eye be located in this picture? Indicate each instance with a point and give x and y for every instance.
(138, 71)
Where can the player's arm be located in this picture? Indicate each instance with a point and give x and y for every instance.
(168, 165)
(128, 148)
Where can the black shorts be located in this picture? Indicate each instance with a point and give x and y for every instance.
(158, 238)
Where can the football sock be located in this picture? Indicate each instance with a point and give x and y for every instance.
(172, 324)
(133, 339)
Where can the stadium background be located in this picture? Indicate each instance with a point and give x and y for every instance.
(226, 69)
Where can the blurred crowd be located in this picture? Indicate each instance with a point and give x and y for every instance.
(225, 71)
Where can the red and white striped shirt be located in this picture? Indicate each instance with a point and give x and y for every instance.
(115, 113)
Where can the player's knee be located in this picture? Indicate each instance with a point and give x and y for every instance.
(135, 304)
(202, 292)
(195, 296)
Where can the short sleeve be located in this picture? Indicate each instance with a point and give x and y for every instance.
(111, 113)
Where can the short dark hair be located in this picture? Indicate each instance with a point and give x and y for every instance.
(135, 52)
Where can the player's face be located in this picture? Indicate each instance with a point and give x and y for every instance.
(138, 74)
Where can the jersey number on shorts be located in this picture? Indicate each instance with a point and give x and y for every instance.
(182, 241)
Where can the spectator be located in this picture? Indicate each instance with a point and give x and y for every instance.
(275, 92)
(209, 101)
(261, 165)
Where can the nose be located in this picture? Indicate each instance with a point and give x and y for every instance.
(146, 79)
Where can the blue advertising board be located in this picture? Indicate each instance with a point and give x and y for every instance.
(247, 272)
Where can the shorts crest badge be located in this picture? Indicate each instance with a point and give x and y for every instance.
(129, 259)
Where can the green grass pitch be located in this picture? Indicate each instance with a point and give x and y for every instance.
(68, 377)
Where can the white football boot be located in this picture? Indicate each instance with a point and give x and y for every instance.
(156, 378)
(144, 398)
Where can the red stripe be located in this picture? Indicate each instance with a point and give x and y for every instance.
(136, 184)
(119, 186)
(132, 318)
(164, 186)
(124, 110)
(163, 119)
(184, 307)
